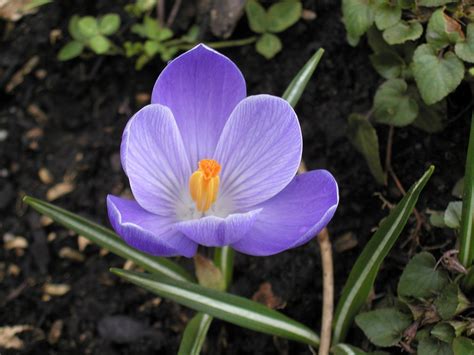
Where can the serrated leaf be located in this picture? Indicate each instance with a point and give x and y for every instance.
(387, 14)
(443, 332)
(70, 50)
(109, 24)
(283, 14)
(393, 105)
(420, 279)
(452, 215)
(88, 26)
(403, 31)
(358, 16)
(363, 136)
(268, 45)
(432, 346)
(433, 3)
(383, 327)
(465, 49)
(436, 76)
(451, 302)
(388, 64)
(443, 30)
(99, 44)
(463, 346)
(256, 16)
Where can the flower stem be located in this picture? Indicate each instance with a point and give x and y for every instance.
(224, 260)
(328, 291)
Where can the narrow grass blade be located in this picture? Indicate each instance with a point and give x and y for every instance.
(297, 86)
(345, 349)
(107, 239)
(195, 334)
(362, 276)
(466, 247)
(222, 305)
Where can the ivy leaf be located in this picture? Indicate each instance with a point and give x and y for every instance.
(268, 45)
(403, 31)
(283, 14)
(99, 44)
(462, 345)
(443, 332)
(256, 16)
(393, 105)
(364, 138)
(388, 64)
(465, 50)
(88, 26)
(451, 302)
(384, 327)
(387, 15)
(432, 346)
(433, 3)
(109, 24)
(70, 50)
(358, 16)
(436, 76)
(443, 30)
(452, 215)
(420, 279)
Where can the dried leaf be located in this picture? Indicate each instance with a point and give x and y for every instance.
(8, 338)
(18, 77)
(71, 254)
(45, 176)
(56, 289)
(59, 190)
(265, 296)
(14, 242)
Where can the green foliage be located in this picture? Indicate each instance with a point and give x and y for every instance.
(276, 19)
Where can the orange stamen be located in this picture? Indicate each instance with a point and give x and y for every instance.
(204, 184)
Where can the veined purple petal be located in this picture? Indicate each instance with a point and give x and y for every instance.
(201, 87)
(215, 231)
(294, 216)
(154, 159)
(145, 231)
(259, 151)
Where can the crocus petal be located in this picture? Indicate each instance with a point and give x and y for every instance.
(259, 151)
(215, 231)
(154, 160)
(201, 87)
(145, 231)
(294, 216)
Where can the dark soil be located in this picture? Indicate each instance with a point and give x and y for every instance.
(86, 105)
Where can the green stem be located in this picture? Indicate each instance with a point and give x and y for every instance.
(224, 260)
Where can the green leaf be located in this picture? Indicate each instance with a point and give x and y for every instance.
(152, 47)
(283, 14)
(434, 3)
(132, 48)
(268, 45)
(420, 279)
(33, 4)
(465, 49)
(463, 346)
(363, 274)
(452, 215)
(443, 30)
(358, 16)
(430, 118)
(88, 26)
(393, 105)
(195, 334)
(432, 346)
(436, 76)
(451, 302)
(70, 50)
(403, 31)
(224, 260)
(466, 248)
(377, 43)
(384, 327)
(364, 138)
(443, 332)
(346, 349)
(297, 86)
(256, 16)
(107, 239)
(152, 30)
(231, 308)
(387, 14)
(74, 31)
(109, 24)
(99, 44)
(388, 64)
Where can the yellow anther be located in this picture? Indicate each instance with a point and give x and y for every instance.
(204, 184)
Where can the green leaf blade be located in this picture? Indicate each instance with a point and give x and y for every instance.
(256, 16)
(109, 24)
(195, 334)
(403, 31)
(268, 45)
(283, 15)
(71, 50)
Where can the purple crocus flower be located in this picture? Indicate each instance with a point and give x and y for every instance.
(208, 165)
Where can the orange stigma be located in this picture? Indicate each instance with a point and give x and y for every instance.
(204, 184)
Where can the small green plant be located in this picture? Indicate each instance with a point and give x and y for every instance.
(92, 33)
(266, 23)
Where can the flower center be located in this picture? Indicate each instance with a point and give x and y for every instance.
(204, 184)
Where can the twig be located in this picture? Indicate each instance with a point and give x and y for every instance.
(160, 12)
(173, 13)
(328, 291)
(388, 154)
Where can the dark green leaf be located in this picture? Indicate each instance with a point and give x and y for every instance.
(420, 279)
(363, 274)
(256, 16)
(346, 349)
(451, 302)
(387, 14)
(233, 309)
(364, 138)
(283, 14)
(384, 327)
(268, 45)
(443, 332)
(195, 334)
(452, 215)
(88, 26)
(403, 31)
(358, 16)
(99, 44)
(430, 118)
(432, 346)
(433, 3)
(388, 64)
(465, 49)
(109, 24)
(463, 346)
(443, 30)
(107, 239)
(70, 50)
